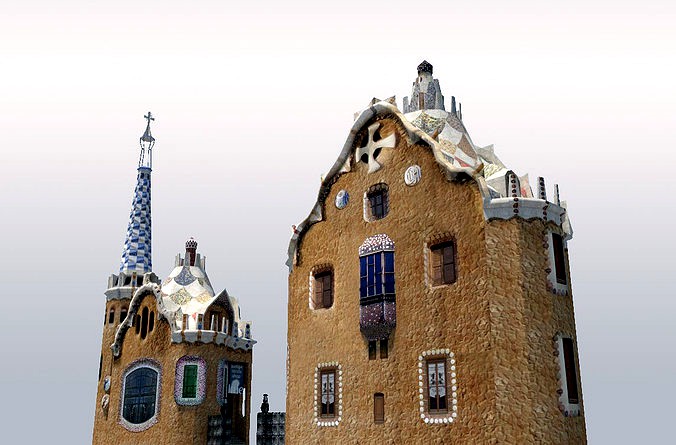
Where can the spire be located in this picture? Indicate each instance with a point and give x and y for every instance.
(136, 256)
(426, 92)
(147, 142)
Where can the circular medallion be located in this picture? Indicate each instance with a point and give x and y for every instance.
(412, 175)
(342, 198)
(106, 383)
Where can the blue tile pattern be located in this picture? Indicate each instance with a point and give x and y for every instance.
(136, 256)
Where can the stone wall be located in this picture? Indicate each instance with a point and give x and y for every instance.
(176, 424)
(498, 318)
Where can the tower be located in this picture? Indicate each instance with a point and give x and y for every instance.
(176, 356)
(429, 292)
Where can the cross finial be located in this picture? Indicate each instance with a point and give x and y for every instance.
(149, 117)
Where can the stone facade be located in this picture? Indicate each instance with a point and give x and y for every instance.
(175, 423)
(495, 327)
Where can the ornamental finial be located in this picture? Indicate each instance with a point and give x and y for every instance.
(147, 142)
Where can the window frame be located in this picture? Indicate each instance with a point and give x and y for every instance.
(381, 190)
(134, 366)
(440, 257)
(438, 416)
(323, 299)
(557, 263)
(378, 402)
(331, 411)
(179, 383)
(329, 419)
(568, 405)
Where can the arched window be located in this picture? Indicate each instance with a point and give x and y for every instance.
(376, 202)
(151, 321)
(140, 395)
(144, 322)
(111, 316)
(123, 314)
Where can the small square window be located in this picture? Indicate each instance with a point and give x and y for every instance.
(442, 263)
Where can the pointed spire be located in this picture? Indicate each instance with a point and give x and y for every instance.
(136, 256)
(147, 142)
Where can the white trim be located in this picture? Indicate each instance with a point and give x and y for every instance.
(444, 418)
(339, 374)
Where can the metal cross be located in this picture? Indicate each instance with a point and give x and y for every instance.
(149, 117)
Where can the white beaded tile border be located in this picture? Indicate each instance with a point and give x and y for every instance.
(453, 413)
(339, 373)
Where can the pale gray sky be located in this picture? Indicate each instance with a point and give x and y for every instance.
(254, 101)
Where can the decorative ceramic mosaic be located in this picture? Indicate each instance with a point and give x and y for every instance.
(412, 175)
(201, 380)
(221, 381)
(342, 198)
(376, 243)
(133, 366)
(442, 418)
(339, 374)
(136, 256)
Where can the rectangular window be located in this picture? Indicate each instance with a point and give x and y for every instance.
(327, 395)
(323, 289)
(442, 263)
(372, 349)
(559, 258)
(376, 274)
(383, 348)
(111, 316)
(378, 408)
(571, 370)
(436, 387)
(189, 381)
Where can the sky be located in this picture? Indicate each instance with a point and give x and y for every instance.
(253, 103)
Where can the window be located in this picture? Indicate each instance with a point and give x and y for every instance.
(111, 316)
(137, 324)
(377, 202)
(378, 408)
(323, 289)
(123, 314)
(140, 395)
(436, 387)
(100, 366)
(151, 321)
(190, 384)
(569, 393)
(442, 263)
(189, 381)
(373, 345)
(559, 258)
(376, 275)
(383, 348)
(144, 322)
(327, 394)
(571, 370)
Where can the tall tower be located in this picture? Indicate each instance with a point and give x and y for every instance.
(175, 358)
(429, 292)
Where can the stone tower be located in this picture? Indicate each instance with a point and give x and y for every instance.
(176, 357)
(429, 292)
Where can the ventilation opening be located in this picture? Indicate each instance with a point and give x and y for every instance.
(144, 322)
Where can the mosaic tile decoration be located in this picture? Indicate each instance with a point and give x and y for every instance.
(444, 418)
(136, 256)
(133, 366)
(201, 380)
(339, 373)
(376, 243)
